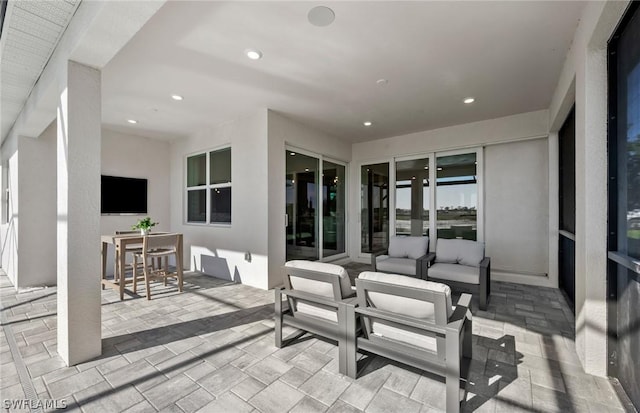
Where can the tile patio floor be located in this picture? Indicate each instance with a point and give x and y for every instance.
(211, 349)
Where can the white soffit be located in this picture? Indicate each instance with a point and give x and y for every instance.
(30, 33)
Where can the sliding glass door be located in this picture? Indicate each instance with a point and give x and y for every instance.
(333, 209)
(436, 195)
(302, 206)
(315, 207)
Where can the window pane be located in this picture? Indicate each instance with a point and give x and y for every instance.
(412, 197)
(457, 196)
(221, 205)
(374, 193)
(197, 206)
(197, 170)
(628, 91)
(220, 168)
(333, 199)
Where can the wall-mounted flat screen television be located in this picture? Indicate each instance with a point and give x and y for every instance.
(121, 195)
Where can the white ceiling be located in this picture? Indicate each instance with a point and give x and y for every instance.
(508, 55)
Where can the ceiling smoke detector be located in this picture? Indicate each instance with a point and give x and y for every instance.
(321, 16)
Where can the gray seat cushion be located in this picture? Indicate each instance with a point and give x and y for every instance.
(455, 272)
(406, 266)
(406, 306)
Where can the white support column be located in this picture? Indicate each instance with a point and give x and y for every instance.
(79, 140)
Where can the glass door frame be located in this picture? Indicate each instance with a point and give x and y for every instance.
(320, 207)
(432, 156)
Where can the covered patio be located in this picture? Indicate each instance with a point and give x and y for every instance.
(212, 349)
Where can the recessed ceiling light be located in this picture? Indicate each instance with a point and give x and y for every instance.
(306, 169)
(176, 97)
(426, 167)
(132, 121)
(439, 169)
(382, 82)
(469, 100)
(367, 123)
(253, 54)
(293, 154)
(321, 16)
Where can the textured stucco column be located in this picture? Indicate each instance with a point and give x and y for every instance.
(78, 228)
(591, 211)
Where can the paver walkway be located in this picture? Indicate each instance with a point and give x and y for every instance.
(211, 349)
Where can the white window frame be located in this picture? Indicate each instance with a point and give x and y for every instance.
(206, 187)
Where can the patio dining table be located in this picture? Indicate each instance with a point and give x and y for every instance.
(120, 242)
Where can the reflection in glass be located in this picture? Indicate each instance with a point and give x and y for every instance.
(629, 135)
(333, 207)
(197, 170)
(301, 207)
(197, 205)
(220, 168)
(374, 195)
(412, 197)
(221, 205)
(457, 196)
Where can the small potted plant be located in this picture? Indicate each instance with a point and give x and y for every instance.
(144, 225)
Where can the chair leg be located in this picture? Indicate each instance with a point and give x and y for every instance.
(278, 317)
(135, 273)
(467, 345)
(350, 368)
(452, 377)
(166, 268)
(180, 275)
(146, 279)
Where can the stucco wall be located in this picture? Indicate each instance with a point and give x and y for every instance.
(37, 194)
(238, 251)
(133, 156)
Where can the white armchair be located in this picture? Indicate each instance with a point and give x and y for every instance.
(462, 265)
(406, 256)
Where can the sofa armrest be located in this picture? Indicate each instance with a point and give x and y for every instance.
(485, 282)
(431, 257)
(428, 260)
(374, 256)
(422, 264)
